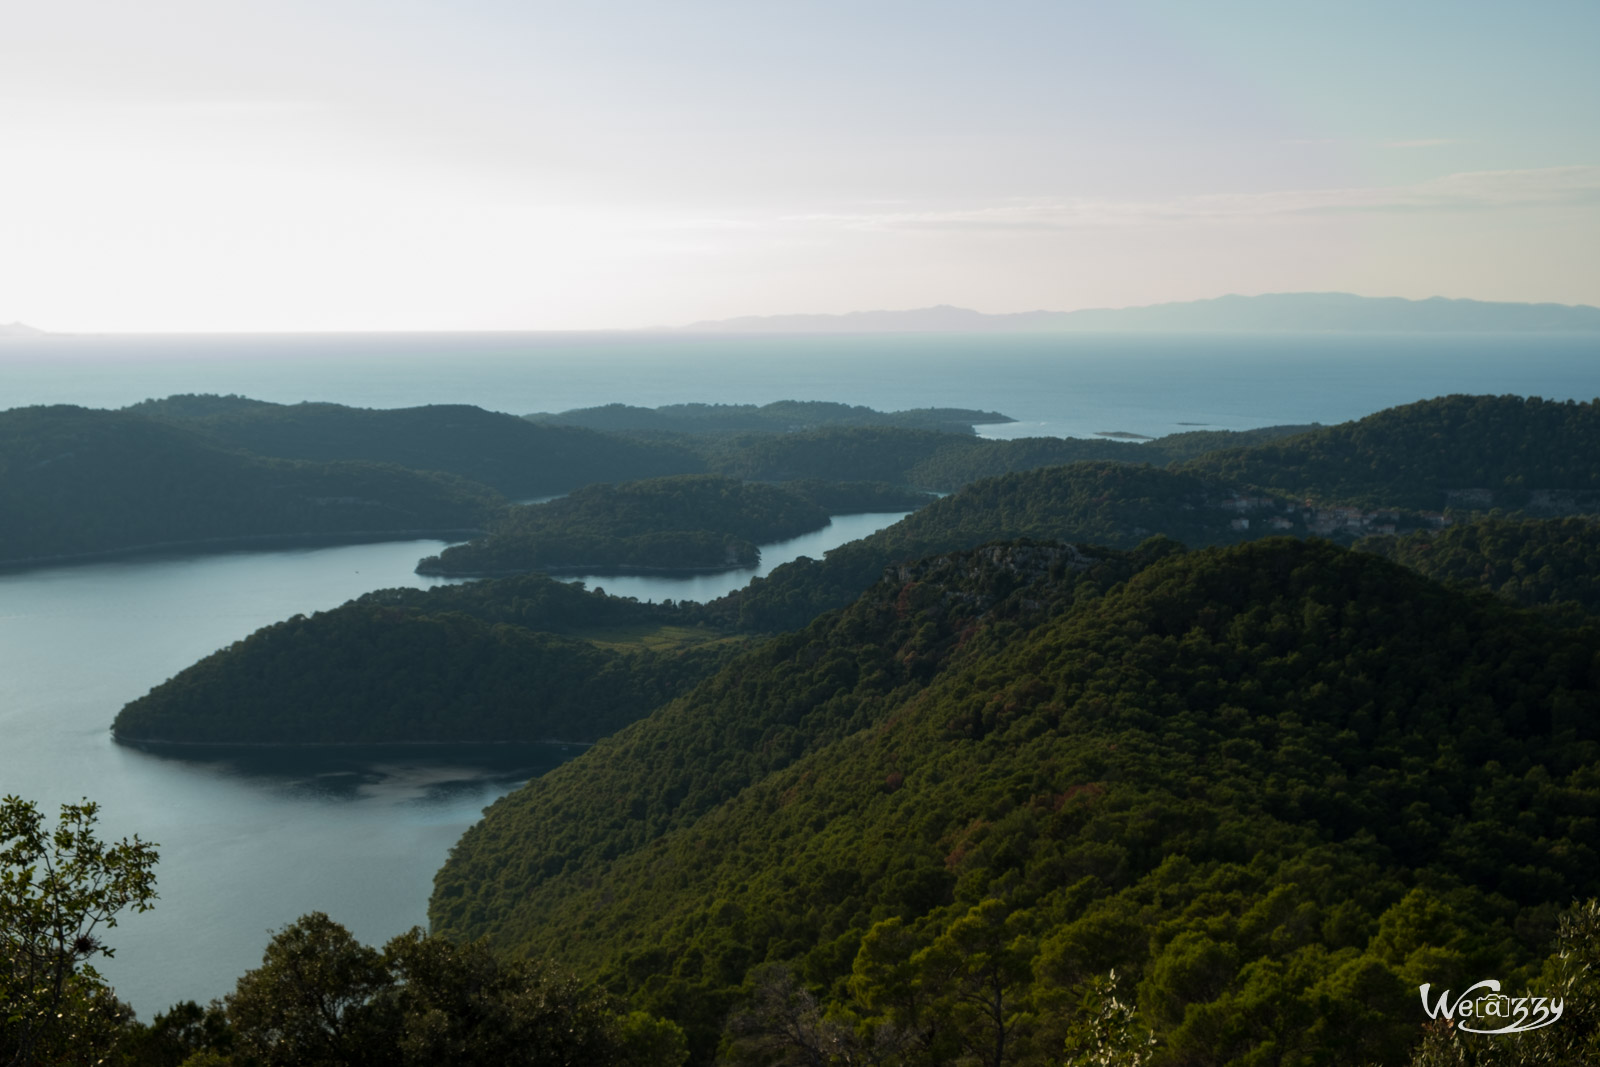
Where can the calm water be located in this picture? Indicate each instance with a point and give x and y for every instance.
(703, 587)
(250, 840)
(1072, 385)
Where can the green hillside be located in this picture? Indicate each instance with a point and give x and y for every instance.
(1531, 562)
(507, 659)
(943, 462)
(1274, 787)
(1114, 504)
(510, 454)
(963, 462)
(1467, 451)
(523, 659)
(691, 522)
(76, 481)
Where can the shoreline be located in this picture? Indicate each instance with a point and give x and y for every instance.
(133, 742)
(589, 570)
(241, 541)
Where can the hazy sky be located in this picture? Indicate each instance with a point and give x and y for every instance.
(357, 164)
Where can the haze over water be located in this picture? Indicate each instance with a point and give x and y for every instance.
(1054, 385)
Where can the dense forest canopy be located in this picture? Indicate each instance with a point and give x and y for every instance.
(1532, 562)
(691, 522)
(392, 665)
(1114, 504)
(1468, 451)
(511, 455)
(78, 481)
(522, 659)
(82, 481)
(1274, 787)
(942, 462)
(1404, 461)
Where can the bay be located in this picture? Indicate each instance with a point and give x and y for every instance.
(704, 587)
(250, 839)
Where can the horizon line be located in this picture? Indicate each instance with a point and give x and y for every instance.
(20, 330)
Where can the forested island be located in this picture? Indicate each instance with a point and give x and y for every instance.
(701, 522)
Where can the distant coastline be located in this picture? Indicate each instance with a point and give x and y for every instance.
(1265, 313)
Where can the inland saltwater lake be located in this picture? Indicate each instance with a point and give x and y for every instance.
(251, 840)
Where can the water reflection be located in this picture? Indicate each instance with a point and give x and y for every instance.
(419, 774)
(705, 587)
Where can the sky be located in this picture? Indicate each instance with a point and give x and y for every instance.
(239, 165)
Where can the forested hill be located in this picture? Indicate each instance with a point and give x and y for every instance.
(1383, 473)
(1467, 451)
(510, 454)
(520, 659)
(1531, 562)
(76, 481)
(691, 522)
(943, 462)
(1275, 787)
(789, 440)
(1115, 504)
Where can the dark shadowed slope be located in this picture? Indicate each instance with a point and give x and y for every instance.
(75, 481)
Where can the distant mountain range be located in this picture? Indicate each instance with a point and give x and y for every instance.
(1296, 312)
(18, 329)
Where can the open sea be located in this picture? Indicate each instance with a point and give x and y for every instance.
(1053, 385)
(251, 840)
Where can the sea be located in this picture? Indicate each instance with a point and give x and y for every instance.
(251, 839)
(1068, 385)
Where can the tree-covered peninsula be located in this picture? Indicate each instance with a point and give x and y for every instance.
(1255, 795)
(521, 659)
(76, 482)
(687, 523)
